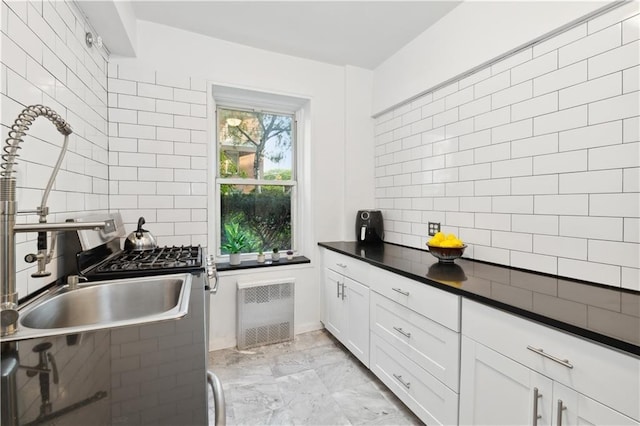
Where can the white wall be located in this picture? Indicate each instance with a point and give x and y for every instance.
(45, 61)
(534, 161)
(468, 36)
(170, 61)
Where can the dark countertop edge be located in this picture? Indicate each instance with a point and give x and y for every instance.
(609, 341)
(253, 264)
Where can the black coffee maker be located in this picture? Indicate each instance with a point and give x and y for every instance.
(369, 226)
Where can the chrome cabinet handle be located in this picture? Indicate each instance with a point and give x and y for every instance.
(540, 351)
(342, 265)
(401, 331)
(399, 290)
(405, 384)
(536, 416)
(338, 289)
(343, 295)
(561, 407)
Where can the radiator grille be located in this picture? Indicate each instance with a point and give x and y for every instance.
(265, 312)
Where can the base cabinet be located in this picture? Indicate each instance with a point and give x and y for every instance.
(346, 312)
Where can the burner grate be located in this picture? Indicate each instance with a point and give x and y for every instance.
(157, 259)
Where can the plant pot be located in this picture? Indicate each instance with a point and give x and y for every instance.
(275, 257)
(260, 258)
(234, 259)
(289, 256)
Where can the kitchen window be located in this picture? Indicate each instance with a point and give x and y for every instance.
(256, 186)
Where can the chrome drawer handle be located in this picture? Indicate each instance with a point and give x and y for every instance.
(343, 294)
(405, 384)
(561, 407)
(342, 265)
(540, 351)
(536, 416)
(401, 331)
(399, 290)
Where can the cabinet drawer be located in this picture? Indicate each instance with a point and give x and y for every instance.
(347, 266)
(427, 397)
(601, 373)
(427, 343)
(431, 302)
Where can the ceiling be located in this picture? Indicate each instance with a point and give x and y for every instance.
(360, 33)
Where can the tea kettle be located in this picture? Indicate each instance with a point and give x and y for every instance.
(140, 239)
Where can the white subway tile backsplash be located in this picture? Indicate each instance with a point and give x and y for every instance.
(491, 153)
(155, 119)
(493, 118)
(493, 187)
(435, 107)
(155, 147)
(630, 278)
(531, 185)
(537, 145)
(512, 95)
(475, 140)
(135, 102)
(118, 115)
(592, 90)
(563, 162)
(491, 254)
(534, 107)
(535, 224)
(631, 79)
(191, 96)
(591, 182)
(169, 134)
(631, 180)
(592, 136)
(577, 205)
(573, 248)
(615, 205)
(512, 168)
(513, 204)
(476, 107)
(631, 29)
(561, 120)
(613, 17)
(546, 157)
(474, 172)
(614, 60)
(591, 45)
(564, 77)
(446, 117)
(631, 230)
(615, 156)
(614, 253)
(492, 84)
(512, 240)
(599, 228)
(121, 86)
(155, 174)
(625, 106)
(589, 271)
(136, 131)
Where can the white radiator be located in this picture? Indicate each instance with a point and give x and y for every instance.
(265, 312)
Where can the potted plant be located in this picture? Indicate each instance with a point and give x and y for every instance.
(289, 254)
(237, 240)
(275, 256)
(260, 256)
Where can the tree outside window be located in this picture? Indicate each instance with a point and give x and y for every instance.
(256, 178)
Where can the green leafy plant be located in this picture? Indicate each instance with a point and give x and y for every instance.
(236, 238)
(275, 249)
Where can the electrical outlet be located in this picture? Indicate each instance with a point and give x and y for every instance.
(434, 227)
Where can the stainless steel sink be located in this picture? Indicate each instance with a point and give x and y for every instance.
(105, 304)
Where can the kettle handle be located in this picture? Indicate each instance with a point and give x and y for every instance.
(141, 222)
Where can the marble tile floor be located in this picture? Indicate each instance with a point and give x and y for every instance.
(312, 380)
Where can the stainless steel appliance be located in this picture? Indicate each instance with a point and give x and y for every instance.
(369, 226)
(98, 256)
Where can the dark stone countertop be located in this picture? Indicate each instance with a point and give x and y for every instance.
(604, 314)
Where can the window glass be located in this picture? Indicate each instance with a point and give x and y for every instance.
(256, 180)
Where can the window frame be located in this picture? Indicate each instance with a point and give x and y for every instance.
(296, 158)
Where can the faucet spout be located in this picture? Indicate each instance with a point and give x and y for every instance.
(8, 207)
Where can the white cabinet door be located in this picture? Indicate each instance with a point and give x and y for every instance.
(334, 311)
(571, 408)
(495, 390)
(357, 306)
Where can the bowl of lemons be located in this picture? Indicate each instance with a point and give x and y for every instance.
(446, 248)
